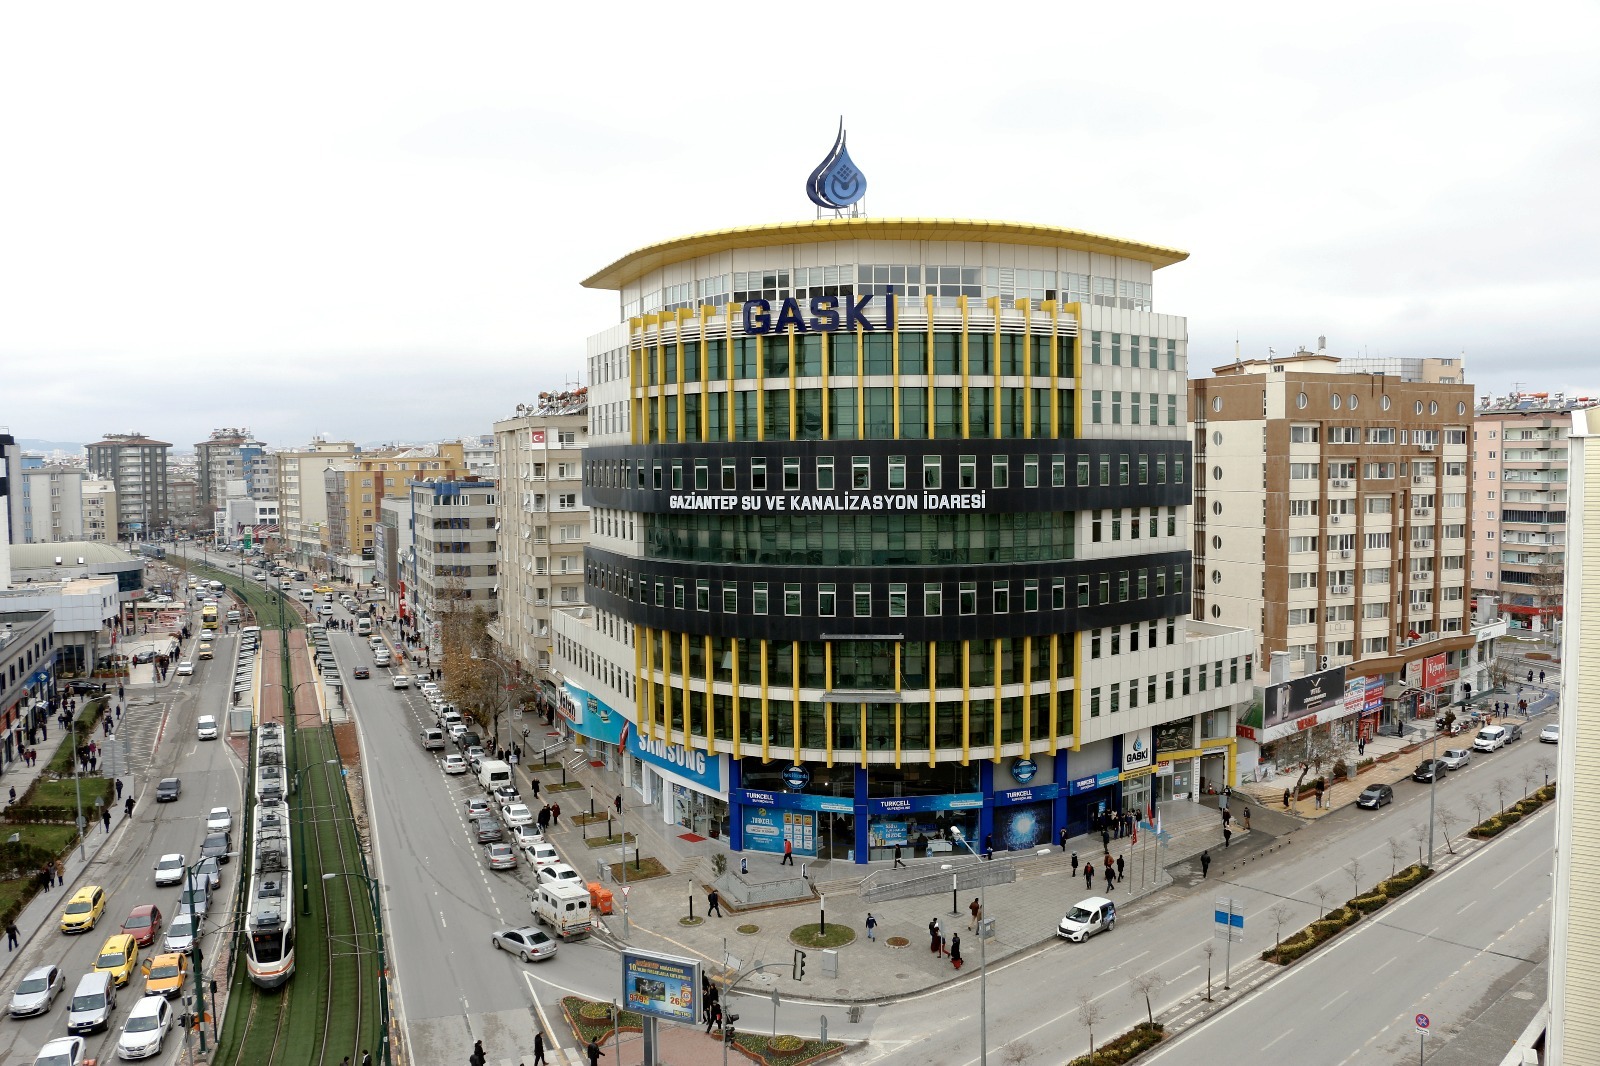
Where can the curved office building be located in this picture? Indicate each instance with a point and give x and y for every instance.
(889, 534)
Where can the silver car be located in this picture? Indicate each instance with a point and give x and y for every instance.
(527, 943)
(180, 934)
(38, 991)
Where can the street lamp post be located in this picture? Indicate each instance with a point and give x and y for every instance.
(983, 954)
(77, 787)
(383, 969)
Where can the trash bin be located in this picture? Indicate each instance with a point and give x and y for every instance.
(600, 898)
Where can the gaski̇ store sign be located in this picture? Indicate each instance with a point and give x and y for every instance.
(1138, 751)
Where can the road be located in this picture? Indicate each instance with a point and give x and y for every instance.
(1167, 932)
(159, 727)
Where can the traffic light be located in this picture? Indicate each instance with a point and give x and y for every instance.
(799, 965)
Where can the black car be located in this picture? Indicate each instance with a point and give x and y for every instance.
(167, 789)
(1375, 796)
(361, 673)
(217, 846)
(486, 829)
(1428, 770)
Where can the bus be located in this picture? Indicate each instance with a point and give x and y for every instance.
(208, 616)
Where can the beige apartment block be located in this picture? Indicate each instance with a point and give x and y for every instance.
(302, 498)
(99, 510)
(1332, 516)
(137, 465)
(544, 523)
(1519, 503)
(354, 489)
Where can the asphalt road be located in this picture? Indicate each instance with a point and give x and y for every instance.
(441, 901)
(1033, 999)
(163, 718)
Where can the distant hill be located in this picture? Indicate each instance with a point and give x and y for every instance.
(47, 446)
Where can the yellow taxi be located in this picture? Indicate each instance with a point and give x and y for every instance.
(321, 588)
(164, 975)
(203, 651)
(84, 909)
(118, 957)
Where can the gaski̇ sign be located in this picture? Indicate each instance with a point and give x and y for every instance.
(827, 315)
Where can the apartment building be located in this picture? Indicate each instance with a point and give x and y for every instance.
(100, 509)
(455, 556)
(137, 465)
(354, 489)
(50, 504)
(231, 455)
(1519, 503)
(1332, 517)
(543, 521)
(302, 496)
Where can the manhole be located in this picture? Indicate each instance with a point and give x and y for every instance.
(896, 941)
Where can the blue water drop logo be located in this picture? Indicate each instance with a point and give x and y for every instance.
(837, 183)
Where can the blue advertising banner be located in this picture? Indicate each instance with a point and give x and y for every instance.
(888, 834)
(1079, 785)
(663, 986)
(588, 715)
(960, 801)
(1007, 797)
(797, 801)
(691, 765)
(766, 828)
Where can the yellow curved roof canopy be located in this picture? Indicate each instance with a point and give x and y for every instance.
(826, 230)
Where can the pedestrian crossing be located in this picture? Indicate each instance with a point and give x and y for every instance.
(129, 751)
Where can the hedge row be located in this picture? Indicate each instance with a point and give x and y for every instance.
(1124, 1048)
(784, 1050)
(1496, 824)
(1339, 919)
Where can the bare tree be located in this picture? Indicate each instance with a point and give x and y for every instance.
(1446, 816)
(1209, 950)
(1090, 1015)
(1478, 803)
(1146, 985)
(1316, 750)
(1280, 916)
(1397, 851)
(1545, 767)
(1017, 1052)
(1528, 775)
(1501, 786)
(1322, 892)
(1353, 868)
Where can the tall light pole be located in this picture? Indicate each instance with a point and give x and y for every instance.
(983, 953)
(383, 969)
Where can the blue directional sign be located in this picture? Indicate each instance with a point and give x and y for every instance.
(1235, 920)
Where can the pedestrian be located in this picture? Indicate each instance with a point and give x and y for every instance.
(618, 803)
(955, 951)
(974, 912)
(555, 815)
(713, 904)
(1227, 816)
(48, 872)
(477, 1058)
(13, 794)
(1285, 799)
(1246, 812)
(1105, 838)
(61, 872)
(1541, 677)
(1088, 875)
(105, 818)
(872, 927)
(366, 1057)
(1111, 876)
(1064, 839)
(788, 852)
(933, 936)
(127, 808)
(1205, 863)
(1120, 865)
(1227, 837)
(1319, 793)
(119, 788)
(12, 936)
(538, 1049)
(714, 1017)
(1530, 677)
(1074, 863)
(533, 783)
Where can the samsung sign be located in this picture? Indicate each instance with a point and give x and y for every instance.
(826, 315)
(703, 770)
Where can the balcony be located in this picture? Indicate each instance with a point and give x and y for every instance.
(1338, 483)
(1422, 512)
(1340, 590)
(1422, 545)
(1422, 577)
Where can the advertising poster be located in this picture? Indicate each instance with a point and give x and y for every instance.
(881, 834)
(662, 986)
(1355, 695)
(1374, 702)
(1023, 826)
(1433, 672)
(1303, 696)
(766, 828)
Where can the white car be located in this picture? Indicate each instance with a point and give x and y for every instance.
(526, 837)
(170, 869)
(63, 1051)
(477, 806)
(1550, 734)
(180, 935)
(517, 814)
(220, 820)
(400, 681)
(38, 991)
(455, 764)
(146, 1028)
(185, 668)
(559, 871)
(542, 855)
(428, 688)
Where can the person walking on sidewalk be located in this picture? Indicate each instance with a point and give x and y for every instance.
(12, 936)
(872, 927)
(1227, 837)
(899, 863)
(713, 904)
(1319, 793)
(788, 853)
(555, 815)
(955, 951)
(1205, 863)
(1119, 867)
(538, 1049)
(1063, 838)
(595, 1054)
(974, 912)
(1246, 813)
(1111, 877)
(933, 936)
(1074, 861)
(1088, 874)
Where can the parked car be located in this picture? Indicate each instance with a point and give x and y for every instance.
(1455, 758)
(505, 795)
(543, 854)
(37, 992)
(527, 943)
(454, 764)
(486, 829)
(400, 681)
(1550, 734)
(168, 789)
(1491, 738)
(517, 814)
(559, 871)
(220, 820)
(500, 856)
(1375, 796)
(526, 836)
(1428, 769)
(477, 807)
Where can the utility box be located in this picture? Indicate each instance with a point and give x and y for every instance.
(830, 963)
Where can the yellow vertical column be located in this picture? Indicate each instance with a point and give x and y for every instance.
(766, 725)
(711, 701)
(639, 684)
(733, 729)
(827, 372)
(683, 696)
(899, 708)
(966, 702)
(861, 384)
(666, 686)
(1026, 307)
(635, 379)
(794, 696)
(761, 387)
(994, 374)
(680, 315)
(650, 682)
(1076, 310)
(933, 702)
(1077, 691)
(793, 435)
(1027, 697)
(966, 376)
(727, 362)
(1055, 383)
(928, 304)
(1055, 682)
(894, 340)
(827, 705)
(998, 703)
(705, 374)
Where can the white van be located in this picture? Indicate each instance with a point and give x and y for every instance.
(206, 727)
(306, 595)
(1093, 915)
(492, 773)
(92, 1003)
(564, 907)
(432, 738)
(363, 626)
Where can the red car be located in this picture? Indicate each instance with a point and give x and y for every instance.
(143, 924)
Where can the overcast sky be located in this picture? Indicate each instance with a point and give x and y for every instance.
(370, 222)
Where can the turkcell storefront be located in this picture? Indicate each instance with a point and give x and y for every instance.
(861, 491)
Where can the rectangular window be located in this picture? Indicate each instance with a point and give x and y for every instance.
(969, 597)
(824, 473)
(702, 595)
(1030, 595)
(827, 596)
(1030, 471)
(730, 474)
(758, 475)
(1058, 594)
(863, 593)
(1002, 598)
(791, 473)
(860, 472)
(730, 597)
(897, 599)
(1058, 471)
(1083, 471)
(1094, 700)
(1083, 591)
(897, 473)
(1000, 471)
(1095, 402)
(1094, 644)
(677, 595)
(791, 599)
(702, 475)
(1123, 473)
(1144, 469)
(1116, 408)
(967, 472)
(932, 600)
